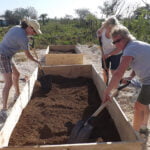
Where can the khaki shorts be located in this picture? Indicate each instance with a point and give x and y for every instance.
(144, 96)
(6, 64)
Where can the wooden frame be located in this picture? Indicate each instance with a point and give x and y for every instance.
(63, 59)
(16, 110)
(129, 140)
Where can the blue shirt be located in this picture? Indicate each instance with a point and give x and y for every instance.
(14, 40)
(140, 51)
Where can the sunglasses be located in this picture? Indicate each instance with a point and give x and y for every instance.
(117, 41)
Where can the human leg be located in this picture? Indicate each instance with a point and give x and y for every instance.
(146, 116)
(6, 89)
(6, 70)
(15, 79)
(138, 115)
(141, 117)
(105, 71)
(144, 127)
(142, 110)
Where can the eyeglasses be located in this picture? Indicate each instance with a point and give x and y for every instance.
(117, 41)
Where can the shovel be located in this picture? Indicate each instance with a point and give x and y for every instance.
(45, 80)
(82, 130)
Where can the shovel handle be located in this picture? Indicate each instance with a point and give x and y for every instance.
(97, 112)
(104, 104)
(99, 109)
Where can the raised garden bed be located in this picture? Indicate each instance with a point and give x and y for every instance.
(63, 55)
(49, 118)
(76, 93)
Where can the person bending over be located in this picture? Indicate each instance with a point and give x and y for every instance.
(15, 39)
(136, 54)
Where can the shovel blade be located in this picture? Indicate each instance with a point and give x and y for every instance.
(80, 133)
(46, 83)
(75, 131)
(84, 134)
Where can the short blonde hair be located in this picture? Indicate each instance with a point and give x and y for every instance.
(123, 32)
(111, 21)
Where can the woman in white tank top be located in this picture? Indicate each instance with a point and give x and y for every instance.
(111, 54)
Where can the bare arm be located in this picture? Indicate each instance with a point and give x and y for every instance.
(114, 52)
(99, 32)
(118, 74)
(28, 54)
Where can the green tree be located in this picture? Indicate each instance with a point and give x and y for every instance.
(142, 11)
(14, 17)
(82, 13)
(43, 17)
(31, 12)
(20, 13)
(9, 16)
(111, 7)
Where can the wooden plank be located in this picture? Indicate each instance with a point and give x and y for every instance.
(124, 128)
(16, 110)
(70, 71)
(86, 146)
(100, 85)
(63, 59)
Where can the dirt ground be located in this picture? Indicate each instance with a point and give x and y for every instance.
(49, 118)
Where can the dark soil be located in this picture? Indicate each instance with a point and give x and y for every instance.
(70, 51)
(49, 118)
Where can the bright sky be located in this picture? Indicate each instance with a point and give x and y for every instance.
(58, 8)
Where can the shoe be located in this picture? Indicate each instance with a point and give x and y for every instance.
(3, 115)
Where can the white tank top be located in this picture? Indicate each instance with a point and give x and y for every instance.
(107, 43)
